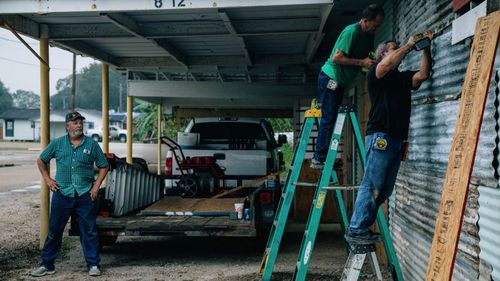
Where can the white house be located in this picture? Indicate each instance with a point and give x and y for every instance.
(19, 124)
(24, 124)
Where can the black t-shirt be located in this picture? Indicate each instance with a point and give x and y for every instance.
(390, 97)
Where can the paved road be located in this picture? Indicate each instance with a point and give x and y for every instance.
(23, 156)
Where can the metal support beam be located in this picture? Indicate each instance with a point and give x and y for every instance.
(219, 75)
(129, 25)
(158, 155)
(230, 27)
(25, 44)
(315, 39)
(105, 107)
(44, 136)
(61, 6)
(130, 101)
(85, 49)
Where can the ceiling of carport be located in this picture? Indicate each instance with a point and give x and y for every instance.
(223, 41)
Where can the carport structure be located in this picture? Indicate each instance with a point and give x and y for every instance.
(258, 57)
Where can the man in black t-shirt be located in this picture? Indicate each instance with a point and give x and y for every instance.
(386, 133)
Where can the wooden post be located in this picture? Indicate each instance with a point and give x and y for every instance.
(463, 149)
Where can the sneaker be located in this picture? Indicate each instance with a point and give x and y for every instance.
(94, 271)
(42, 271)
(316, 164)
(366, 238)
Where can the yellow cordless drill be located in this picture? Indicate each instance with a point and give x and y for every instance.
(422, 41)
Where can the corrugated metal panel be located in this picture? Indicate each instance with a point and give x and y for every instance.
(413, 212)
(489, 224)
(131, 189)
(385, 30)
(414, 204)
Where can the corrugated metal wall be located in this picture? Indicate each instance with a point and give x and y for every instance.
(415, 202)
(489, 212)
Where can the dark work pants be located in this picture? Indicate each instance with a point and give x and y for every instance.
(61, 209)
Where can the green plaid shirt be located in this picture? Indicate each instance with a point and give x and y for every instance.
(74, 166)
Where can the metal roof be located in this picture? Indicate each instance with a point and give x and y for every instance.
(278, 41)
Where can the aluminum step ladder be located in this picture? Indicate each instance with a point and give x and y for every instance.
(356, 260)
(328, 181)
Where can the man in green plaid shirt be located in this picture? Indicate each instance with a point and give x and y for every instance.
(74, 189)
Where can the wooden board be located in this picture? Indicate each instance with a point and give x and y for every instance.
(304, 196)
(135, 225)
(463, 149)
(178, 204)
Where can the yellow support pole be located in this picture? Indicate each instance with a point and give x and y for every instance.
(105, 108)
(44, 136)
(130, 101)
(158, 156)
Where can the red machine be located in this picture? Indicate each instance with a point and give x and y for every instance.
(200, 175)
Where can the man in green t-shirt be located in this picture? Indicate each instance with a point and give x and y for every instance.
(340, 72)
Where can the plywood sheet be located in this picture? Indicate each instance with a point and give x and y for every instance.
(179, 204)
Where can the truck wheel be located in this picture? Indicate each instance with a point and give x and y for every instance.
(188, 186)
(95, 137)
(123, 138)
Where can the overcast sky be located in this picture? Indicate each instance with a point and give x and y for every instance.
(20, 69)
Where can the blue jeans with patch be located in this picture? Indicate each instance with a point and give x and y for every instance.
(61, 209)
(330, 101)
(381, 169)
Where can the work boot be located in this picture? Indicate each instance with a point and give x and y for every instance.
(365, 238)
(316, 164)
(42, 271)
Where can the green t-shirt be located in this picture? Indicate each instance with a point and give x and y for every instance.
(74, 166)
(355, 44)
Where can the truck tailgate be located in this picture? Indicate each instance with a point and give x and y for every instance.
(254, 161)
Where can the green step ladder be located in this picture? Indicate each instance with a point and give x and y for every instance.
(328, 181)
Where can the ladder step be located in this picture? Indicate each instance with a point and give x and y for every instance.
(302, 183)
(341, 187)
(356, 260)
(308, 184)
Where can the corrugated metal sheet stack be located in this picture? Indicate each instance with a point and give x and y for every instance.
(131, 189)
(414, 204)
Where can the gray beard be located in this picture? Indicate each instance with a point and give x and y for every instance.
(76, 133)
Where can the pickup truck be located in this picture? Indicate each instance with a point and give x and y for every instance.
(244, 148)
(115, 133)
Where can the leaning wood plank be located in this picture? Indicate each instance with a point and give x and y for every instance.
(463, 149)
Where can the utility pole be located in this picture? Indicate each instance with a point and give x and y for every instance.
(73, 84)
(121, 108)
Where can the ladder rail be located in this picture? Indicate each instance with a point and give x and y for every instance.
(312, 225)
(278, 227)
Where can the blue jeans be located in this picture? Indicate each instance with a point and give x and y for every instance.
(381, 169)
(61, 209)
(330, 102)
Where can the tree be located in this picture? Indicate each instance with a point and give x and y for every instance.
(25, 99)
(281, 124)
(88, 89)
(146, 123)
(5, 98)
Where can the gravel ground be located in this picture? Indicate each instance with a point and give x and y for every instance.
(143, 258)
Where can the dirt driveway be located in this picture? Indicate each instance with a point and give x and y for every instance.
(148, 258)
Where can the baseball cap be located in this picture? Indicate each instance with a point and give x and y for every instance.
(72, 116)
